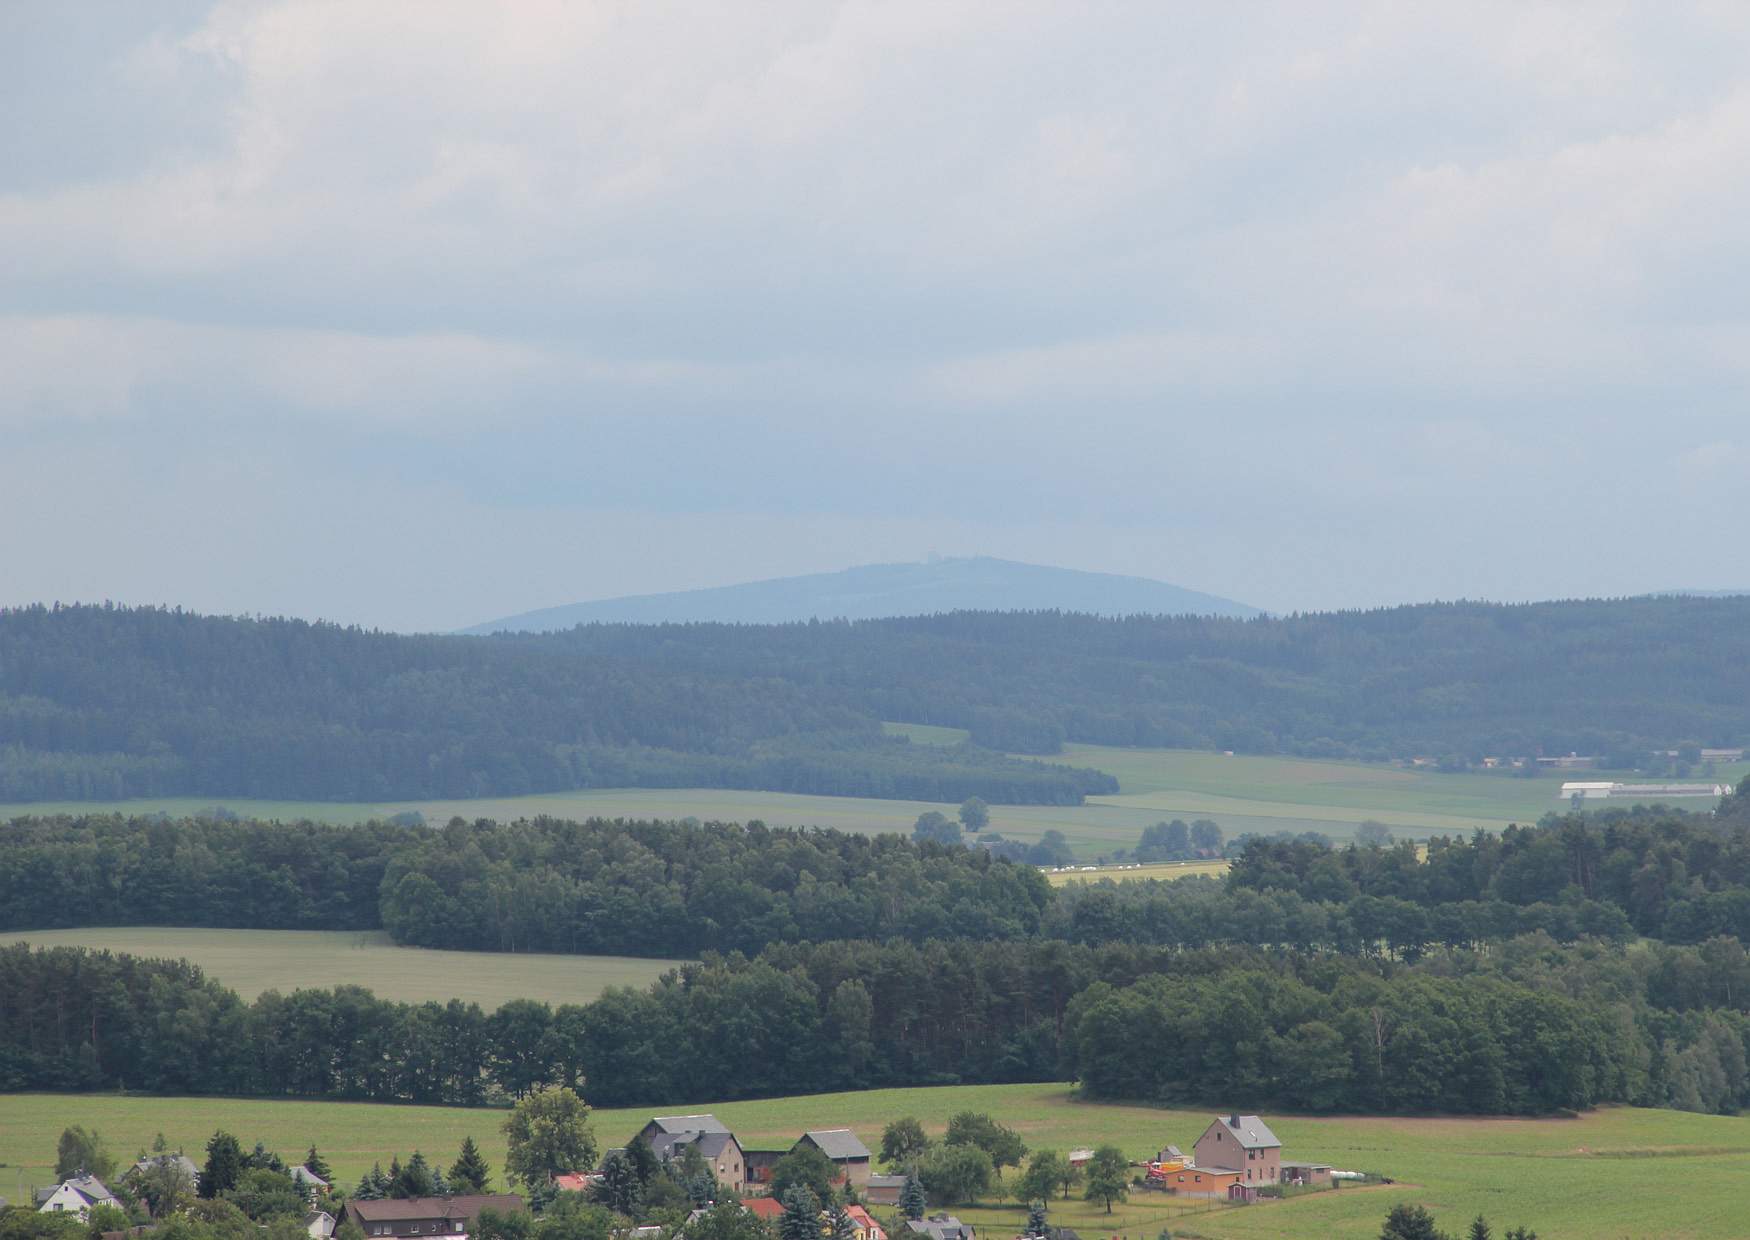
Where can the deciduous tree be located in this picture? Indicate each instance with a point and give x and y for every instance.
(1108, 1177)
(549, 1133)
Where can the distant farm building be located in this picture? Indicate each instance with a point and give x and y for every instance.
(1604, 791)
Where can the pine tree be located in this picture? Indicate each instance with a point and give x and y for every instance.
(911, 1197)
(224, 1164)
(469, 1173)
(1036, 1224)
(619, 1189)
(370, 1184)
(314, 1164)
(393, 1187)
(840, 1224)
(1479, 1229)
(415, 1179)
(801, 1217)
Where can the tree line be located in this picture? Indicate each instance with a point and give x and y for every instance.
(1527, 1027)
(682, 888)
(117, 702)
(625, 888)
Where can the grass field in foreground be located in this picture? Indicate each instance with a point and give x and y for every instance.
(251, 961)
(1242, 793)
(1612, 1174)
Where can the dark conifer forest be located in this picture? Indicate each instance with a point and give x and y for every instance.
(1494, 977)
(103, 702)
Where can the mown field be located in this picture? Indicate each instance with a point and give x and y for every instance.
(1613, 1174)
(251, 961)
(1165, 870)
(1242, 793)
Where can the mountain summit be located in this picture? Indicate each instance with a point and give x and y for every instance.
(875, 591)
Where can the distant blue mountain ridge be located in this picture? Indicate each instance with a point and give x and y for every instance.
(876, 591)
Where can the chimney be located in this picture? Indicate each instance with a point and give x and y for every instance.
(1233, 1121)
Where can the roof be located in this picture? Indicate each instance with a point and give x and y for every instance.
(1251, 1132)
(405, 1209)
(711, 1144)
(689, 1123)
(181, 1160)
(837, 1143)
(940, 1227)
(87, 1186)
(303, 1175)
(887, 1181)
(768, 1208)
(862, 1218)
(1309, 1166)
(573, 1181)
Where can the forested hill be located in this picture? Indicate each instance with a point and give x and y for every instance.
(102, 702)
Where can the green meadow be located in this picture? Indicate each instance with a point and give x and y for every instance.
(1242, 793)
(1166, 871)
(251, 961)
(1612, 1174)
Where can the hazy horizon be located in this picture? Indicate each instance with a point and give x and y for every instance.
(415, 315)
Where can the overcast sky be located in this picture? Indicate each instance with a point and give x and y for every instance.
(417, 314)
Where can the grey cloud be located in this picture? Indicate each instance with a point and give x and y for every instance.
(1251, 297)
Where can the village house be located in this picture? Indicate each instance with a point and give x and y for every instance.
(766, 1209)
(182, 1162)
(454, 1217)
(75, 1196)
(319, 1224)
(312, 1184)
(941, 1227)
(1242, 1143)
(883, 1190)
(668, 1135)
(864, 1222)
(848, 1154)
(1194, 1181)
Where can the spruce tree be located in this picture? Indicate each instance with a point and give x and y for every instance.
(1479, 1229)
(393, 1187)
(224, 1164)
(840, 1224)
(1036, 1224)
(370, 1184)
(415, 1179)
(801, 1217)
(314, 1164)
(619, 1189)
(469, 1174)
(911, 1197)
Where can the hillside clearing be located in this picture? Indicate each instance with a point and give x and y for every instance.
(251, 961)
(1242, 793)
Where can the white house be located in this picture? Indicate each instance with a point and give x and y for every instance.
(76, 1196)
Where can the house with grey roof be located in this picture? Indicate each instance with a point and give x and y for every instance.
(182, 1162)
(668, 1136)
(940, 1227)
(883, 1190)
(400, 1218)
(841, 1145)
(1242, 1144)
(75, 1195)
